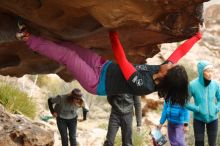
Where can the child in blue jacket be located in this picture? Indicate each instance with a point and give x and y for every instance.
(178, 118)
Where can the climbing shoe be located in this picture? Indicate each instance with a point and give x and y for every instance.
(22, 34)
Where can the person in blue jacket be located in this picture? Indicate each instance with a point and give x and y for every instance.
(206, 94)
(178, 118)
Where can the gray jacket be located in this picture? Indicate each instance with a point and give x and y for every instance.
(64, 109)
(124, 103)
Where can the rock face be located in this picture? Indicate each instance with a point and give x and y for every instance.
(212, 14)
(16, 130)
(142, 26)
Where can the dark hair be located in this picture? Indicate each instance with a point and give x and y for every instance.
(174, 86)
(76, 93)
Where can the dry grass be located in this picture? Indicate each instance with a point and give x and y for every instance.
(16, 101)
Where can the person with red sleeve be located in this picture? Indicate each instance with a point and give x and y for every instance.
(103, 77)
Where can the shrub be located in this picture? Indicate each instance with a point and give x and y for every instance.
(16, 101)
(53, 84)
(42, 80)
(103, 126)
(138, 139)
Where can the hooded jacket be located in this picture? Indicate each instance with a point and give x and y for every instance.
(124, 103)
(206, 98)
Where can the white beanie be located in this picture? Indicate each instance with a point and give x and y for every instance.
(208, 67)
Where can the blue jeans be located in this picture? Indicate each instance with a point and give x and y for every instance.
(63, 125)
(199, 132)
(176, 134)
(119, 120)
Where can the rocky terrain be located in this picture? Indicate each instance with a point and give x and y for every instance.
(18, 129)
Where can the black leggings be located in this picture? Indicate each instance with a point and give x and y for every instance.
(199, 132)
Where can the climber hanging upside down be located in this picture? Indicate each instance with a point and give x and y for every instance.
(103, 77)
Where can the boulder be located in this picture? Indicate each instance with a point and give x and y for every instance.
(16, 130)
(142, 25)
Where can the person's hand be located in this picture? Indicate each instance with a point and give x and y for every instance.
(112, 30)
(185, 129)
(162, 72)
(138, 129)
(54, 114)
(159, 126)
(199, 34)
(202, 27)
(80, 120)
